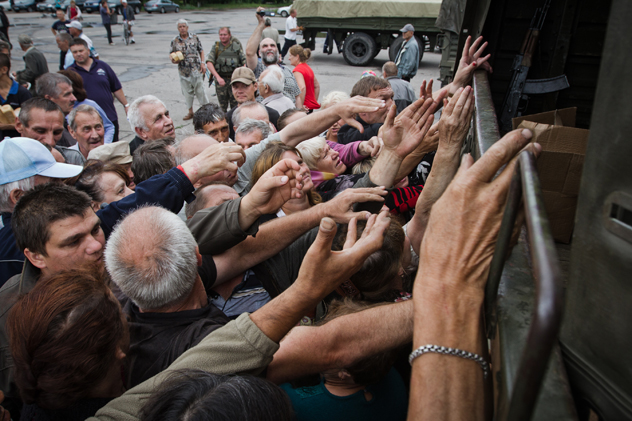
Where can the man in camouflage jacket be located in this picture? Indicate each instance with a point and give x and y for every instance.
(226, 55)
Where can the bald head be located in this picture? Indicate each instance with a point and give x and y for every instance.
(191, 146)
(152, 257)
(210, 196)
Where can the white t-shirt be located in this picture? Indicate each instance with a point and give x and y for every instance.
(290, 23)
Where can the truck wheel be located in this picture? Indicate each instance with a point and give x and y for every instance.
(397, 44)
(137, 10)
(359, 49)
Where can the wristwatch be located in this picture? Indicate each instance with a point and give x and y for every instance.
(126, 105)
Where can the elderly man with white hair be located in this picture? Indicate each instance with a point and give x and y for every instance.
(149, 117)
(271, 89)
(191, 66)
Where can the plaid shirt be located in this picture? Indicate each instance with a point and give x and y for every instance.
(191, 49)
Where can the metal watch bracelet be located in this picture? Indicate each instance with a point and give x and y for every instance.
(450, 351)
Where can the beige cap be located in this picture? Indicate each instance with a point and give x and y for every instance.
(116, 153)
(243, 75)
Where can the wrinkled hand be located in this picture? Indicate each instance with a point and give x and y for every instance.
(340, 208)
(456, 117)
(323, 270)
(466, 220)
(348, 109)
(215, 158)
(371, 147)
(470, 60)
(276, 186)
(404, 133)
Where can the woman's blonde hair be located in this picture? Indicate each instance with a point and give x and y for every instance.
(311, 149)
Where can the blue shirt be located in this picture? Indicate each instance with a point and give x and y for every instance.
(105, 17)
(100, 82)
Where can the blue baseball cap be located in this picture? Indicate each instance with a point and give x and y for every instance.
(21, 157)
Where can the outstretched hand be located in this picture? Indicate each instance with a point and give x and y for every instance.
(215, 158)
(276, 186)
(402, 134)
(323, 270)
(455, 119)
(466, 220)
(470, 60)
(340, 208)
(348, 109)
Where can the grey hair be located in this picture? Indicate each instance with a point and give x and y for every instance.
(311, 149)
(333, 98)
(182, 21)
(237, 113)
(64, 36)
(83, 108)
(4, 44)
(134, 115)
(165, 268)
(249, 125)
(25, 185)
(274, 78)
(48, 84)
(179, 155)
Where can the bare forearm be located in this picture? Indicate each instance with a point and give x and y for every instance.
(277, 317)
(456, 323)
(385, 169)
(120, 96)
(273, 236)
(309, 126)
(251, 46)
(211, 68)
(342, 342)
(444, 166)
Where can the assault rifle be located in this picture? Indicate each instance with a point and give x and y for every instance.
(520, 87)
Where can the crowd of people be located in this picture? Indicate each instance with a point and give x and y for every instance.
(279, 263)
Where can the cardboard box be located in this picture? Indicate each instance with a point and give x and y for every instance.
(559, 165)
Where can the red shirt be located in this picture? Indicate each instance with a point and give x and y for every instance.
(73, 12)
(308, 75)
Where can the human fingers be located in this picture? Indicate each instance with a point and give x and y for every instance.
(423, 110)
(352, 233)
(378, 149)
(360, 104)
(504, 178)
(428, 92)
(460, 103)
(503, 151)
(390, 116)
(285, 166)
(375, 232)
(466, 49)
(449, 108)
(321, 247)
(422, 90)
(474, 47)
(480, 50)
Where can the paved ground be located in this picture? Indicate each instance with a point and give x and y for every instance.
(144, 68)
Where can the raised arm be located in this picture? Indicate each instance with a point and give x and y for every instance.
(322, 271)
(342, 341)
(316, 123)
(275, 235)
(254, 41)
(450, 286)
(453, 127)
(401, 135)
